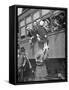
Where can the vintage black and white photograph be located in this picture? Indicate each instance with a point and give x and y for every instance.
(41, 39)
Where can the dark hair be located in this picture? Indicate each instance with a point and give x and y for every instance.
(22, 49)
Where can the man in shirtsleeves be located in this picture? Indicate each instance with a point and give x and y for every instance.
(26, 65)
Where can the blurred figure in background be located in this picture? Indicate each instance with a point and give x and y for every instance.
(25, 66)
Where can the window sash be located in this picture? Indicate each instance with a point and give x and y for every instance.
(36, 15)
(28, 19)
(22, 23)
(45, 12)
(30, 26)
(19, 11)
(23, 31)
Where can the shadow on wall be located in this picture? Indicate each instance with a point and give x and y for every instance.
(55, 66)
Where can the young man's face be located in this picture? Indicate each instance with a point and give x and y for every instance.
(23, 53)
